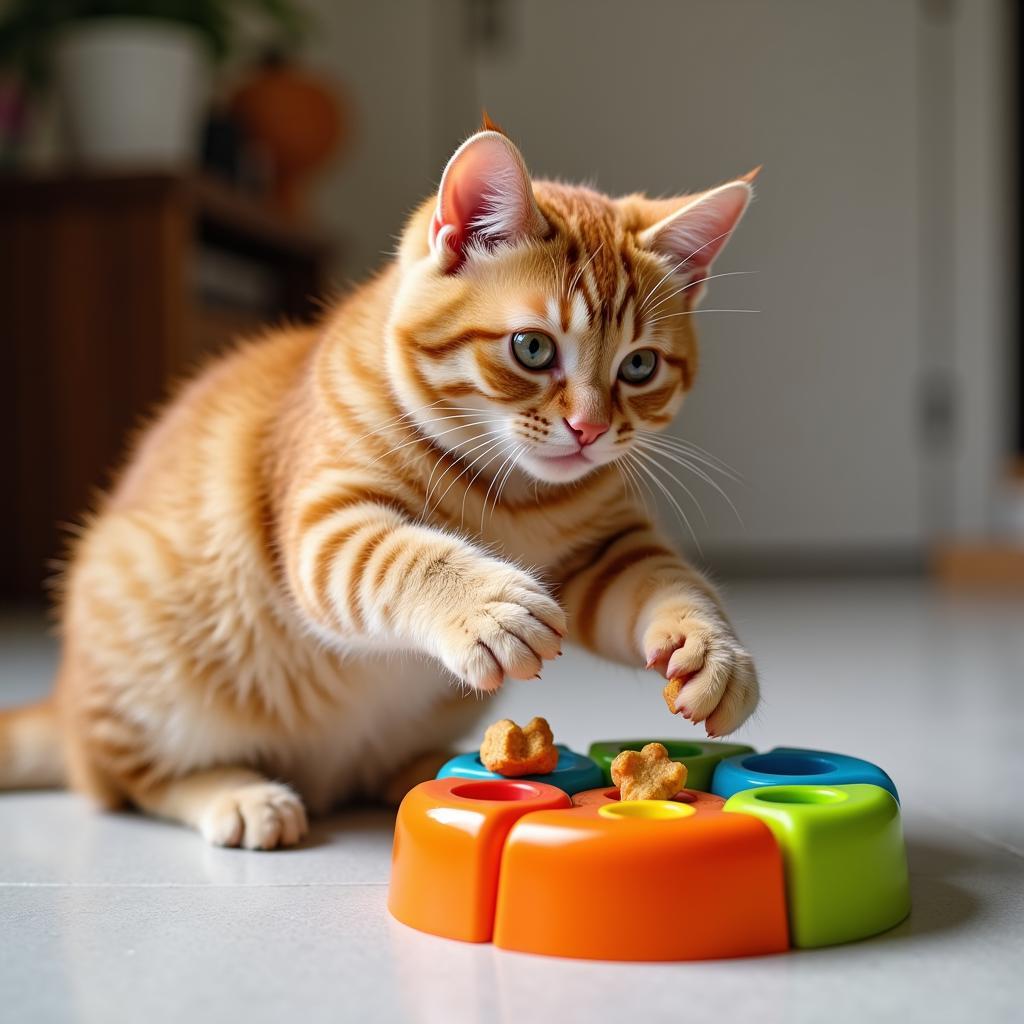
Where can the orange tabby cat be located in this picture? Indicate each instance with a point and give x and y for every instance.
(433, 471)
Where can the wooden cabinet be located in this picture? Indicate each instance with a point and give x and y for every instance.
(111, 288)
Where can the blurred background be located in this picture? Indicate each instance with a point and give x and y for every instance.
(177, 172)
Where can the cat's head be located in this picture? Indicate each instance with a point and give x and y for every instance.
(546, 325)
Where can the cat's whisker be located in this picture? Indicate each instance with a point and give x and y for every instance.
(651, 458)
(443, 433)
(635, 476)
(680, 264)
(633, 457)
(493, 443)
(642, 485)
(693, 312)
(508, 474)
(388, 423)
(497, 455)
(629, 483)
(396, 421)
(410, 414)
(456, 457)
(495, 479)
(696, 470)
(691, 451)
(669, 495)
(693, 284)
(579, 272)
(693, 459)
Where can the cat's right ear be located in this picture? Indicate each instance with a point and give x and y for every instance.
(485, 197)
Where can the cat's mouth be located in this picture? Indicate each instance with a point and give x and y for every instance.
(573, 459)
(561, 467)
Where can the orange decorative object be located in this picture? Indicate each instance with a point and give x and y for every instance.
(449, 838)
(702, 803)
(296, 118)
(641, 880)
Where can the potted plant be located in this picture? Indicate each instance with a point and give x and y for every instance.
(131, 75)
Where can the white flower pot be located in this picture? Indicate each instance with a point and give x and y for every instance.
(132, 92)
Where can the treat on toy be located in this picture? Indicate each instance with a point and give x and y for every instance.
(510, 750)
(647, 774)
(671, 693)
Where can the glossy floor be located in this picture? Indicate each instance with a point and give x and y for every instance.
(109, 918)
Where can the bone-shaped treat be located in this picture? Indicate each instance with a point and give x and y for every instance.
(647, 774)
(508, 749)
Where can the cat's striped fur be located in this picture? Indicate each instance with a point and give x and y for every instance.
(323, 507)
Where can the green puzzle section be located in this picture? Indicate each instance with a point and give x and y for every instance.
(700, 758)
(842, 846)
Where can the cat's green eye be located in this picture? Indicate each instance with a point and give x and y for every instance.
(639, 366)
(533, 349)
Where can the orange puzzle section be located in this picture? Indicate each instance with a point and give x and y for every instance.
(641, 880)
(449, 837)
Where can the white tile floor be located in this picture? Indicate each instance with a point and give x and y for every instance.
(118, 918)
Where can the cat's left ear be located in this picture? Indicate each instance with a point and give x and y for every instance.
(694, 235)
(485, 196)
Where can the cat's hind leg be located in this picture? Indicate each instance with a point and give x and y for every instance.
(230, 807)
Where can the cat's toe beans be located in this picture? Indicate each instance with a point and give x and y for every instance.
(551, 624)
(689, 656)
(480, 668)
(724, 692)
(738, 702)
(261, 816)
(222, 824)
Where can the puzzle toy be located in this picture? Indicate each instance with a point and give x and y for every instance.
(760, 853)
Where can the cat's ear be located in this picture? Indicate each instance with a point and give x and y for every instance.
(486, 197)
(693, 235)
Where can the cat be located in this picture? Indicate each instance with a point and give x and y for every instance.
(329, 526)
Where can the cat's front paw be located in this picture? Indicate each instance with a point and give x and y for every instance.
(508, 627)
(258, 816)
(712, 678)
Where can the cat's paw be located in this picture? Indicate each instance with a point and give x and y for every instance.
(712, 678)
(508, 627)
(259, 816)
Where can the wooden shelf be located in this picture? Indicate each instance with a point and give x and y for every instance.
(100, 308)
(995, 565)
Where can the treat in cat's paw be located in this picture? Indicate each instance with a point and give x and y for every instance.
(508, 749)
(671, 693)
(647, 774)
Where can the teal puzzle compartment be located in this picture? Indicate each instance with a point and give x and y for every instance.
(794, 766)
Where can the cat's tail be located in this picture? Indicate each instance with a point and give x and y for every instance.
(31, 752)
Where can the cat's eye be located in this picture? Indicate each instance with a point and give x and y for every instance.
(533, 349)
(639, 366)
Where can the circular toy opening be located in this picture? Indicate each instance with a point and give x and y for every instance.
(798, 795)
(496, 789)
(788, 764)
(650, 810)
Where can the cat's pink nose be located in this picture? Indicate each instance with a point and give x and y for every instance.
(584, 432)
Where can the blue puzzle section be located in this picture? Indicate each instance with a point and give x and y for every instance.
(573, 773)
(792, 766)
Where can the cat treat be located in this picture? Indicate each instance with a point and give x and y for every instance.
(671, 693)
(647, 774)
(510, 750)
